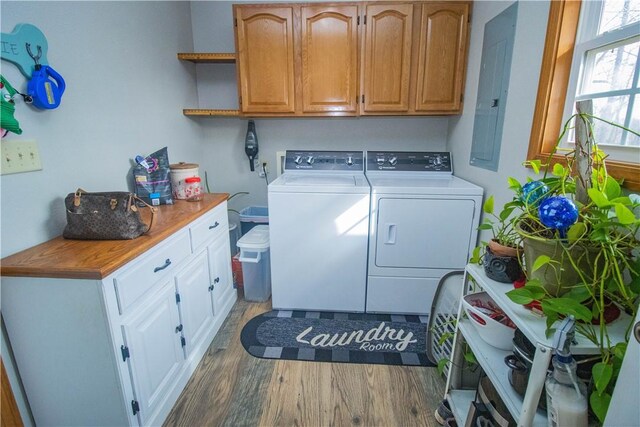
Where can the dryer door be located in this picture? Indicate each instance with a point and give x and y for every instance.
(423, 233)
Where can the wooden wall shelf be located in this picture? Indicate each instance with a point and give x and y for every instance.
(216, 58)
(209, 58)
(209, 112)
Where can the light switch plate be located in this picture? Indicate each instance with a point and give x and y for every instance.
(20, 156)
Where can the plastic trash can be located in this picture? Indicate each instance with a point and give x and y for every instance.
(252, 216)
(256, 265)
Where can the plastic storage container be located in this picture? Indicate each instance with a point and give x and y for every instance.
(491, 331)
(252, 216)
(179, 173)
(256, 264)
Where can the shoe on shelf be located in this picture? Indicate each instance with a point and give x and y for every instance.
(443, 414)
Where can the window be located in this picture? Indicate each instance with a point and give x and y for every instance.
(598, 62)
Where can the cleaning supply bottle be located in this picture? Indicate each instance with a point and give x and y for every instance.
(566, 395)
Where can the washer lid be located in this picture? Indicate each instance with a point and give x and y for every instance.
(320, 183)
(436, 185)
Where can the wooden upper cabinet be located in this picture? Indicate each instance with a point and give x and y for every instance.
(329, 58)
(387, 57)
(265, 48)
(442, 57)
(356, 58)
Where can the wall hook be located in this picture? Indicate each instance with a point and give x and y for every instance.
(35, 58)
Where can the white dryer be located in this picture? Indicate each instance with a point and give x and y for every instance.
(423, 225)
(319, 226)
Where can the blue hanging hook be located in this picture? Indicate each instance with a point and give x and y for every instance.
(36, 58)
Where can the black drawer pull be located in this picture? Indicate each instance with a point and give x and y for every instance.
(179, 328)
(210, 288)
(215, 224)
(216, 280)
(167, 263)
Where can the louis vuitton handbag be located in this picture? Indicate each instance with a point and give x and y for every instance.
(104, 216)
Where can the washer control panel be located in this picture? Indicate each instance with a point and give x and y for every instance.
(410, 161)
(324, 160)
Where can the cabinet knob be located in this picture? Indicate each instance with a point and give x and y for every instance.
(167, 263)
(215, 224)
(210, 288)
(179, 328)
(216, 280)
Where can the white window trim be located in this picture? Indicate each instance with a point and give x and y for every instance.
(588, 40)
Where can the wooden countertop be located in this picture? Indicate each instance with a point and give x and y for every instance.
(96, 259)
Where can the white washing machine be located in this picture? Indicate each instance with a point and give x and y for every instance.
(423, 225)
(319, 226)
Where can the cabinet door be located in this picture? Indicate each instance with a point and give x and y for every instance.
(264, 38)
(329, 58)
(196, 308)
(155, 349)
(220, 270)
(442, 57)
(387, 57)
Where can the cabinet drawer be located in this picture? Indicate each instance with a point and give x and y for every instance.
(210, 226)
(144, 272)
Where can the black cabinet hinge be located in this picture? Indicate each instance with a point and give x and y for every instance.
(135, 406)
(365, 19)
(358, 21)
(183, 341)
(125, 352)
(235, 22)
(177, 298)
(363, 99)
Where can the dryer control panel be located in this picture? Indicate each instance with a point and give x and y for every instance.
(410, 161)
(347, 161)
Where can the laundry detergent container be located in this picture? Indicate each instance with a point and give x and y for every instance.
(256, 263)
(252, 216)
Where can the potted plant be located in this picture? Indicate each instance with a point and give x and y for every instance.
(503, 253)
(580, 238)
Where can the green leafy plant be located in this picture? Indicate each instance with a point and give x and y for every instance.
(595, 258)
(503, 224)
(469, 361)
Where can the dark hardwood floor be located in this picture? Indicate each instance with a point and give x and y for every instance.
(232, 388)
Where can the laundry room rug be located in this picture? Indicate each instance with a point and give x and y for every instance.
(338, 337)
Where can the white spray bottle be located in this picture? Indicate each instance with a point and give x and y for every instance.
(566, 395)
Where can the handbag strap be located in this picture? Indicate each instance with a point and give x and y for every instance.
(153, 209)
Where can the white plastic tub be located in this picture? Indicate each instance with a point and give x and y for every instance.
(491, 331)
(256, 263)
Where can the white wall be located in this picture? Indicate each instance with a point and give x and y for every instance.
(224, 158)
(124, 96)
(523, 85)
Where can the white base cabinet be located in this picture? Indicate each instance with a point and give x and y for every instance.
(157, 352)
(119, 350)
